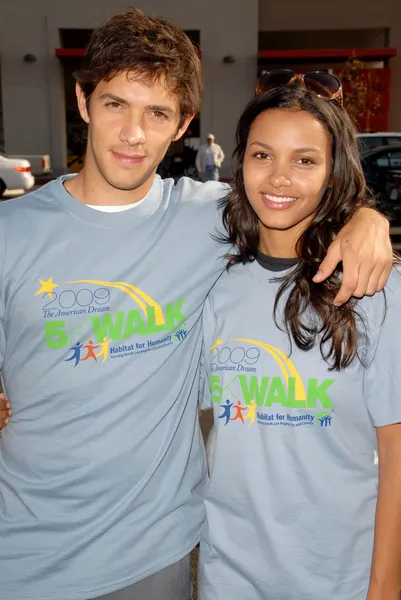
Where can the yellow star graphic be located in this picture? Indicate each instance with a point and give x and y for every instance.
(47, 287)
(217, 343)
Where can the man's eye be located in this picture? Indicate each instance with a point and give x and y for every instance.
(159, 115)
(113, 104)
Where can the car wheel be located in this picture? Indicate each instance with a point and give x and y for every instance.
(191, 172)
(2, 188)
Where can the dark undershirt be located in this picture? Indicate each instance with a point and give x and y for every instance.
(275, 264)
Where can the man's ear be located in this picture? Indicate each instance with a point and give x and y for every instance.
(82, 103)
(183, 127)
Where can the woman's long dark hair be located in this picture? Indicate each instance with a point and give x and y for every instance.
(309, 315)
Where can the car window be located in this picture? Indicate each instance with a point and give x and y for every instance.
(382, 160)
(370, 142)
(394, 140)
(395, 159)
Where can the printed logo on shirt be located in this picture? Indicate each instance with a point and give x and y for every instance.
(284, 400)
(80, 322)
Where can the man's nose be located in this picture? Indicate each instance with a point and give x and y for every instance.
(132, 132)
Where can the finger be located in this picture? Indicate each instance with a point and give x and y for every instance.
(364, 274)
(331, 260)
(5, 408)
(378, 279)
(348, 285)
(383, 278)
(4, 404)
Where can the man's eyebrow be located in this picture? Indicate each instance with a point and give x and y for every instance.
(162, 108)
(156, 107)
(108, 96)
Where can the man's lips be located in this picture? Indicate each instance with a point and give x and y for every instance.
(128, 159)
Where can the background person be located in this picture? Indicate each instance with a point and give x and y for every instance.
(209, 159)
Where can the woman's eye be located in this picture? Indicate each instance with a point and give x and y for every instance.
(306, 161)
(261, 155)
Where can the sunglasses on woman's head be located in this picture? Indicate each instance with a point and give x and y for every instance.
(323, 84)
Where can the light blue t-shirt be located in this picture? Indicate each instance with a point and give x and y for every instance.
(102, 464)
(293, 490)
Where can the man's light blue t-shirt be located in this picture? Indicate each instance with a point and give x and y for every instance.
(102, 464)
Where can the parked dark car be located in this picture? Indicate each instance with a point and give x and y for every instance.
(382, 167)
(370, 141)
(179, 164)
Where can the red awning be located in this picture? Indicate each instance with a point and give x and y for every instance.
(67, 52)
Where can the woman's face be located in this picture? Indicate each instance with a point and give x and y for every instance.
(287, 168)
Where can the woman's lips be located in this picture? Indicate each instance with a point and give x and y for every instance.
(278, 202)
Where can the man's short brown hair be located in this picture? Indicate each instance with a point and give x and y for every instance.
(150, 48)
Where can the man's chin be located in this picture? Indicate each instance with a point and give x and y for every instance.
(125, 184)
(126, 187)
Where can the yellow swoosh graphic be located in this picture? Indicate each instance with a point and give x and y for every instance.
(284, 363)
(133, 292)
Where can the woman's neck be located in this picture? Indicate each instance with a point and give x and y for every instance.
(278, 244)
(281, 243)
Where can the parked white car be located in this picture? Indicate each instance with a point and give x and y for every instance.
(40, 163)
(15, 174)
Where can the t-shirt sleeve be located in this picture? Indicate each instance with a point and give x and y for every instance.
(382, 385)
(205, 397)
(2, 302)
(2, 343)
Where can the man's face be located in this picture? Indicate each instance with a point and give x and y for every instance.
(210, 141)
(131, 126)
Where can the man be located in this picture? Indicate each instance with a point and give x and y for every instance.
(102, 464)
(209, 159)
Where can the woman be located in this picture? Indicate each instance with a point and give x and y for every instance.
(306, 395)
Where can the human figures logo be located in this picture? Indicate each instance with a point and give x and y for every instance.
(76, 353)
(324, 419)
(181, 334)
(226, 414)
(240, 409)
(104, 349)
(90, 348)
(251, 414)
